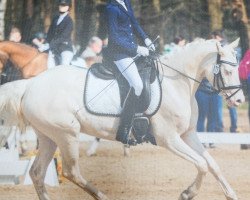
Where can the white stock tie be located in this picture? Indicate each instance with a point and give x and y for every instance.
(122, 3)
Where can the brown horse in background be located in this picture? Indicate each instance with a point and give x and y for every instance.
(28, 59)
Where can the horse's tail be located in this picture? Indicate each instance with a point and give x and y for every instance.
(10, 103)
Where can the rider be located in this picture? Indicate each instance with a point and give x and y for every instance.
(122, 47)
(59, 37)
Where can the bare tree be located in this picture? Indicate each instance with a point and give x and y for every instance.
(2, 14)
(215, 13)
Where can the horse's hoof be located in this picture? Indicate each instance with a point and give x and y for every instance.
(103, 197)
(232, 197)
(184, 196)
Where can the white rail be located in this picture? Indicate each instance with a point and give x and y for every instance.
(224, 138)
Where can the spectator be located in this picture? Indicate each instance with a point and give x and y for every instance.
(39, 39)
(244, 72)
(179, 41)
(10, 71)
(15, 35)
(59, 37)
(177, 44)
(209, 106)
(91, 53)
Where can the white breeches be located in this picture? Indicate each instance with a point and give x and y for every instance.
(66, 57)
(131, 74)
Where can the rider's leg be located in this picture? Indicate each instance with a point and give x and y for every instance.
(129, 70)
(66, 57)
(132, 76)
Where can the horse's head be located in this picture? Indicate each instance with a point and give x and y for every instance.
(226, 76)
(3, 58)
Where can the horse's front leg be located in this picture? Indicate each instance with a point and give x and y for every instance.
(193, 141)
(180, 148)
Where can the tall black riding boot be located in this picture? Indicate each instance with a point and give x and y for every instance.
(126, 119)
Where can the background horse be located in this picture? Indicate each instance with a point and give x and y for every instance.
(52, 104)
(28, 59)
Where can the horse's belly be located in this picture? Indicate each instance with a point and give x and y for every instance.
(54, 94)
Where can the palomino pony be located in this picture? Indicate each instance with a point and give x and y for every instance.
(52, 104)
(28, 59)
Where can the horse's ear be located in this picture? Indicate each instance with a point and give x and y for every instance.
(235, 43)
(219, 48)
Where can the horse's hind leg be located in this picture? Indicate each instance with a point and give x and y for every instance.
(180, 148)
(93, 147)
(193, 141)
(38, 170)
(69, 147)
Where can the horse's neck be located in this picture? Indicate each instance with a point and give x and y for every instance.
(18, 53)
(194, 61)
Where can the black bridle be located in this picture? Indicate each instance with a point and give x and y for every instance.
(219, 81)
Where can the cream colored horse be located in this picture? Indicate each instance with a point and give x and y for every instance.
(52, 104)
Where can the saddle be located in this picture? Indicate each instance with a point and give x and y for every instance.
(107, 74)
(147, 70)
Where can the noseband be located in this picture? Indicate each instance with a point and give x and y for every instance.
(219, 81)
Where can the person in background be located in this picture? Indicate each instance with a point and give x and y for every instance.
(15, 35)
(92, 52)
(244, 73)
(177, 44)
(59, 37)
(179, 41)
(208, 107)
(122, 47)
(39, 39)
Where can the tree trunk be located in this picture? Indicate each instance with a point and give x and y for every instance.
(2, 14)
(47, 7)
(27, 23)
(214, 8)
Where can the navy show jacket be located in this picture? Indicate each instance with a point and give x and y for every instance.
(59, 36)
(122, 27)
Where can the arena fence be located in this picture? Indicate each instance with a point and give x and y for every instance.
(217, 138)
(224, 138)
(205, 137)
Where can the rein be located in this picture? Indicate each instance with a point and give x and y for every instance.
(217, 77)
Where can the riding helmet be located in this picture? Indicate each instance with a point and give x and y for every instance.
(65, 2)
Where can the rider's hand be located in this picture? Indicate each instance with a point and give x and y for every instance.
(43, 47)
(149, 44)
(143, 51)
